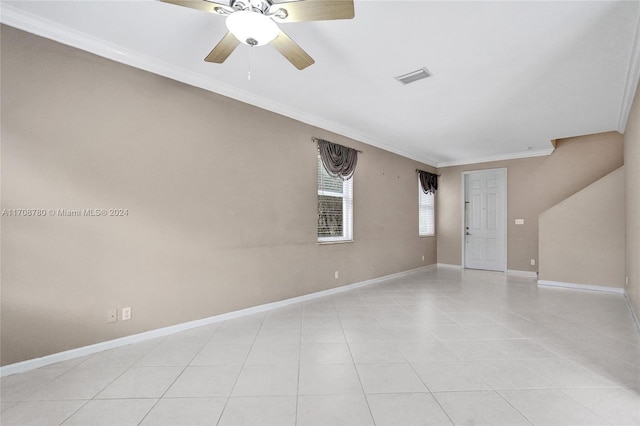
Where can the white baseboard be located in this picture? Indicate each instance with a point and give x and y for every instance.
(529, 274)
(448, 266)
(581, 286)
(31, 364)
(634, 315)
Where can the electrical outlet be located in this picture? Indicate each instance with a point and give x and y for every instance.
(626, 281)
(336, 275)
(423, 258)
(519, 221)
(112, 315)
(533, 262)
(126, 314)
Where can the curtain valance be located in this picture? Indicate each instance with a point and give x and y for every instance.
(428, 182)
(339, 161)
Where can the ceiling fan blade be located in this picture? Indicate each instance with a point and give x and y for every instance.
(223, 49)
(290, 50)
(204, 5)
(314, 10)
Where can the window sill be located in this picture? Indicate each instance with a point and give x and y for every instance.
(328, 243)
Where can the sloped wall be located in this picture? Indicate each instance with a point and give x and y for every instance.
(582, 239)
(533, 185)
(632, 170)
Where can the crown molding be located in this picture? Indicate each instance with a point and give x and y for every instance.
(17, 18)
(502, 157)
(631, 82)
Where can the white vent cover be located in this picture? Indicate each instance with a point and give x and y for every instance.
(414, 76)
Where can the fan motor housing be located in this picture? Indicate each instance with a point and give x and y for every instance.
(261, 6)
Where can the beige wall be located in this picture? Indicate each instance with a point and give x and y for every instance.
(533, 186)
(221, 200)
(582, 239)
(632, 170)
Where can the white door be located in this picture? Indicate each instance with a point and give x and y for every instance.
(485, 220)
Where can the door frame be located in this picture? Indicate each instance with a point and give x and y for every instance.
(464, 216)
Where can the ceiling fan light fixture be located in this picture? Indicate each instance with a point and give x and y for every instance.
(252, 28)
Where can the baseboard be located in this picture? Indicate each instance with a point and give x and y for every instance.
(448, 266)
(21, 367)
(529, 274)
(633, 313)
(581, 286)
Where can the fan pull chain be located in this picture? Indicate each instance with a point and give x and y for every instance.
(250, 59)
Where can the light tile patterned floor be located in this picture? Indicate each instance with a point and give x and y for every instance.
(436, 347)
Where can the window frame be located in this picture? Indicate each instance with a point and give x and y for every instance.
(426, 203)
(347, 208)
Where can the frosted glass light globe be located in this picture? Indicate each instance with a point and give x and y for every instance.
(252, 28)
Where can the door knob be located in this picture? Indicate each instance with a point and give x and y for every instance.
(468, 233)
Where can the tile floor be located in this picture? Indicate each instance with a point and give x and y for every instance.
(436, 347)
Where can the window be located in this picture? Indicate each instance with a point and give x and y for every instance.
(426, 216)
(335, 207)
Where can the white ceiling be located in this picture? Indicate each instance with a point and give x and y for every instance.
(508, 77)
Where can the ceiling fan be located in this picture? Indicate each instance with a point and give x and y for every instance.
(255, 23)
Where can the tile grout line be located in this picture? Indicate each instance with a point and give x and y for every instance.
(86, 401)
(426, 386)
(562, 390)
(355, 367)
(430, 392)
(72, 414)
(106, 386)
(512, 406)
(176, 379)
(235, 383)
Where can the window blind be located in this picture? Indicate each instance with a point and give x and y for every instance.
(335, 207)
(426, 212)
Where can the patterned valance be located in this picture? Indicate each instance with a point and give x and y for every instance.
(428, 182)
(339, 161)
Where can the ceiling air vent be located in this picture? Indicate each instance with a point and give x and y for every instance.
(414, 76)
